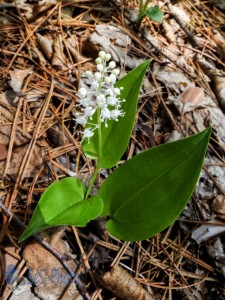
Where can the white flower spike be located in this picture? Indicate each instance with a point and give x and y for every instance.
(101, 96)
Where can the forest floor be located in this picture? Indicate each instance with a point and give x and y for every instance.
(45, 46)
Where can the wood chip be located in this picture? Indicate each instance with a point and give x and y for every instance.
(123, 285)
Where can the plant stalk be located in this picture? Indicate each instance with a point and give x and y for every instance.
(97, 168)
(142, 10)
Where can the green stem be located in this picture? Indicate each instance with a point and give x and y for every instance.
(142, 10)
(140, 5)
(92, 181)
(99, 133)
(146, 5)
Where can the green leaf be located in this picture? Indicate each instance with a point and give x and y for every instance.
(155, 14)
(148, 192)
(62, 204)
(116, 136)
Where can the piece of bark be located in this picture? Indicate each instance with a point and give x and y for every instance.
(58, 57)
(123, 285)
(46, 272)
(17, 78)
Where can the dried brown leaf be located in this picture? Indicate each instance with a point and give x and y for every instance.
(46, 45)
(17, 78)
(192, 94)
(58, 58)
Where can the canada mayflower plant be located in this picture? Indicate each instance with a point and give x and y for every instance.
(142, 196)
(101, 97)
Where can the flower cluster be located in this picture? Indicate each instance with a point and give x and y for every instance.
(101, 95)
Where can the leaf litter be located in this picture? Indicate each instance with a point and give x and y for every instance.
(45, 47)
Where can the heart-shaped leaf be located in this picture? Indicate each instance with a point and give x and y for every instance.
(116, 136)
(155, 14)
(62, 204)
(148, 192)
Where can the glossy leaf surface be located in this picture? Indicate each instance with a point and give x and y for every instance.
(62, 204)
(116, 136)
(148, 192)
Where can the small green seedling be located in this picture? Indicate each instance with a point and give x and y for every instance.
(144, 195)
(154, 13)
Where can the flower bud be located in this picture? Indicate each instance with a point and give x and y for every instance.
(82, 92)
(97, 76)
(107, 56)
(112, 64)
(102, 54)
(116, 91)
(89, 74)
(107, 79)
(100, 67)
(113, 78)
(115, 72)
(98, 60)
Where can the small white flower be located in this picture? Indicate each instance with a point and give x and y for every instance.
(98, 60)
(107, 80)
(107, 56)
(116, 91)
(105, 114)
(87, 134)
(94, 85)
(111, 100)
(89, 111)
(85, 102)
(89, 74)
(100, 67)
(101, 100)
(112, 64)
(113, 78)
(114, 114)
(115, 72)
(81, 120)
(102, 54)
(82, 92)
(97, 76)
